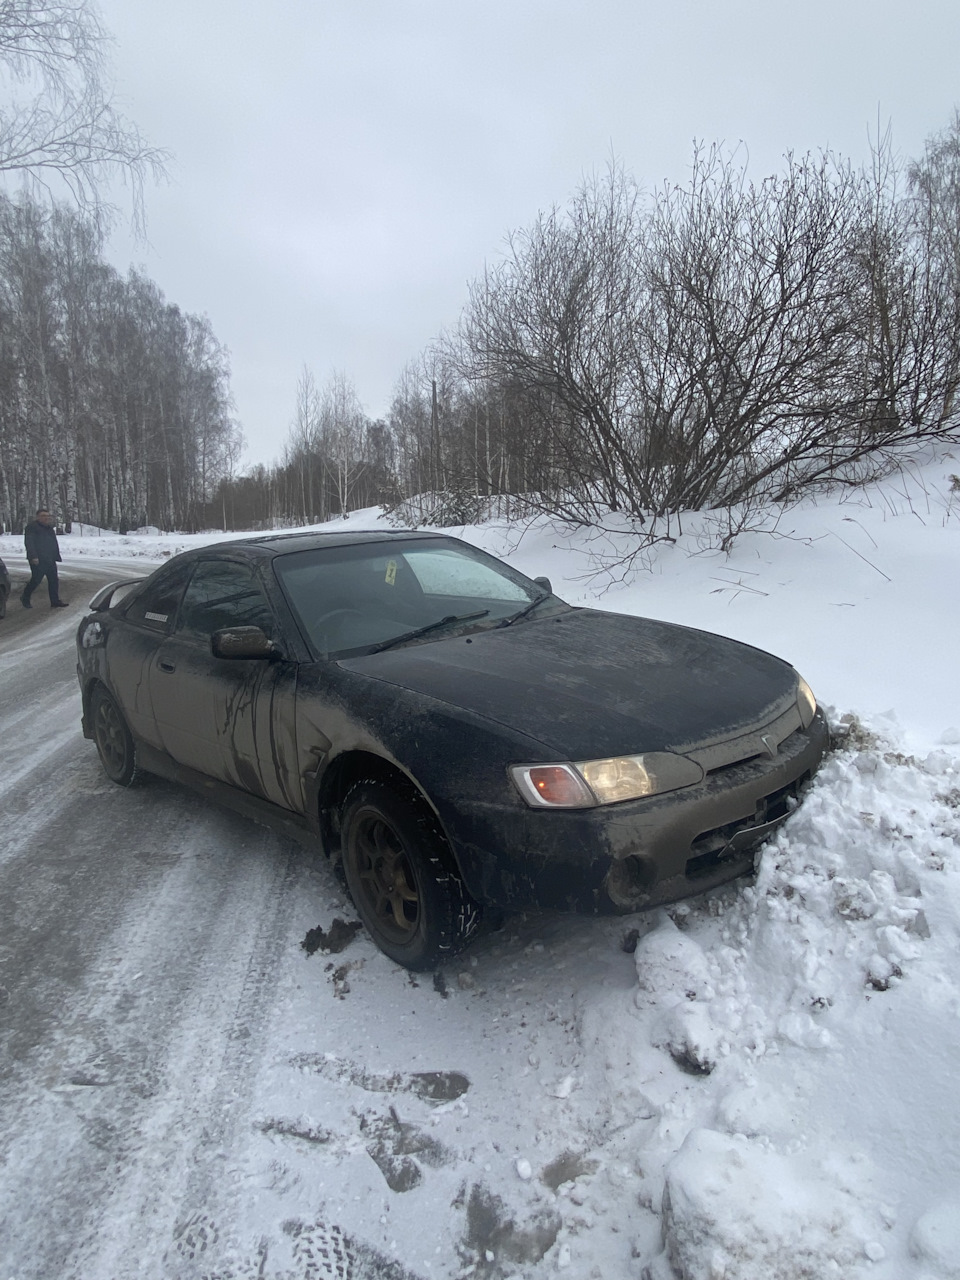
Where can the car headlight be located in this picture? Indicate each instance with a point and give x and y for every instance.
(806, 702)
(594, 782)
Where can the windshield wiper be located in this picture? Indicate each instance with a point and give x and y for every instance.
(431, 626)
(515, 617)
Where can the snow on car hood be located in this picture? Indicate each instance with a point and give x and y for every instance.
(589, 684)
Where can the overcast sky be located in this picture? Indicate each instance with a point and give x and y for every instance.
(342, 168)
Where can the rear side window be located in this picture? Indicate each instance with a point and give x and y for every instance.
(156, 605)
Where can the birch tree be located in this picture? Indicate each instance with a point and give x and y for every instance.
(60, 130)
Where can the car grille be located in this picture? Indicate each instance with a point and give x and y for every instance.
(715, 757)
(712, 848)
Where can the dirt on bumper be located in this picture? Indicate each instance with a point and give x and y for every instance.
(638, 854)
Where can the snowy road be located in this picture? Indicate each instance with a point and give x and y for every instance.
(140, 932)
(186, 1091)
(764, 1089)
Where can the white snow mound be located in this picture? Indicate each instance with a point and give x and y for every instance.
(733, 1210)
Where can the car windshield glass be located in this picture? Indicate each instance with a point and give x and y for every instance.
(360, 598)
(525, 611)
(417, 632)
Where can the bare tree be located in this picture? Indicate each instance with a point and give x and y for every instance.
(342, 436)
(725, 342)
(302, 453)
(556, 322)
(59, 123)
(334, 460)
(935, 183)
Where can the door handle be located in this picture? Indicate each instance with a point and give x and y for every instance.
(167, 666)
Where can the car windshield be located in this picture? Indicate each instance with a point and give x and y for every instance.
(371, 596)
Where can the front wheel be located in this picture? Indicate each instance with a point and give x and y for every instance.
(117, 750)
(402, 879)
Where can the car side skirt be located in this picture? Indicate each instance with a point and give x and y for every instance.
(283, 821)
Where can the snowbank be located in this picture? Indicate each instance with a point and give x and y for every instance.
(814, 1015)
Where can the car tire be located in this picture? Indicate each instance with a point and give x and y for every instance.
(402, 878)
(115, 744)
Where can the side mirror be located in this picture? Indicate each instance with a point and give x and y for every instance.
(242, 642)
(545, 583)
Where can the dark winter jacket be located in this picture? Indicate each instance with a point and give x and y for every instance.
(40, 541)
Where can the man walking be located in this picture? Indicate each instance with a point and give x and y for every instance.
(43, 553)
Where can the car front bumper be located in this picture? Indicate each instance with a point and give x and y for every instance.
(638, 854)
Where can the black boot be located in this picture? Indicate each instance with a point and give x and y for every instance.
(25, 601)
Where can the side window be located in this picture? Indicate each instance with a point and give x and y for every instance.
(156, 606)
(223, 594)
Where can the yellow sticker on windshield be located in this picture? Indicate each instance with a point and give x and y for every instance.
(391, 578)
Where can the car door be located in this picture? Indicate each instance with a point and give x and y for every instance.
(133, 642)
(232, 719)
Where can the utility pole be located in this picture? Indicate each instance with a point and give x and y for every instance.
(435, 432)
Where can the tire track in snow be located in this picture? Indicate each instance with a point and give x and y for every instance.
(139, 935)
(136, 1077)
(214, 1044)
(28, 793)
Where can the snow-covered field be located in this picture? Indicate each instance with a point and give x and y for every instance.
(758, 1085)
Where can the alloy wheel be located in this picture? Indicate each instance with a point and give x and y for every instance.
(386, 878)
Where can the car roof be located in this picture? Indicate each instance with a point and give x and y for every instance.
(284, 543)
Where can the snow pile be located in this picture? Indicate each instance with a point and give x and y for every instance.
(807, 1038)
(836, 906)
(935, 1240)
(733, 1206)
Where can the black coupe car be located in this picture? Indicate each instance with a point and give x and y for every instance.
(450, 731)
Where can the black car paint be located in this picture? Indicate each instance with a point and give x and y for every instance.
(282, 740)
(570, 681)
(4, 589)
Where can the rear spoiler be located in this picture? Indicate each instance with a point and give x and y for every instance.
(113, 593)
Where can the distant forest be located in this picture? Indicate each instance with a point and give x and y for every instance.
(723, 344)
(114, 404)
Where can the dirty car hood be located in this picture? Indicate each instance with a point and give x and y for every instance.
(589, 684)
